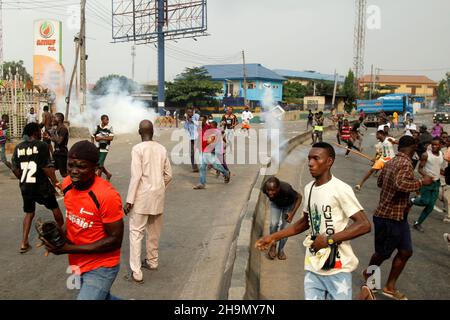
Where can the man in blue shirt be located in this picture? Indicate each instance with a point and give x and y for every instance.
(191, 124)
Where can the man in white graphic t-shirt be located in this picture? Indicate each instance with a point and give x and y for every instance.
(329, 204)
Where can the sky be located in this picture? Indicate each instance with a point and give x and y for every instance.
(280, 34)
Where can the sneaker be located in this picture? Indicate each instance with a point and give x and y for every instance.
(227, 177)
(358, 187)
(446, 220)
(447, 241)
(418, 227)
(411, 201)
(199, 186)
(145, 265)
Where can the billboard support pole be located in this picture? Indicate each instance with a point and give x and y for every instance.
(161, 76)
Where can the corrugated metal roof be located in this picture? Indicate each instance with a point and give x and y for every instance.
(399, 79)
(310, 75)
(235, 71)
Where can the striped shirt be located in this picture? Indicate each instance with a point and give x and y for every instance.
(345, 132)
(397, 181)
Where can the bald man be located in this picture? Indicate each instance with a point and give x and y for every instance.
(150, 174)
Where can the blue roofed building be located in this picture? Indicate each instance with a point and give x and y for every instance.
(259, 79)
(306, 77)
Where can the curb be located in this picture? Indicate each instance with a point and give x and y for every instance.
(245, 275)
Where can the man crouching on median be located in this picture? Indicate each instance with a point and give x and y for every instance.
(329, 204)
(94, 224)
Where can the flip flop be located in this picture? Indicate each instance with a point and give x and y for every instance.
(396, 295)
(282, 256)
(366, 294)
(130, 277)
(271, 254)
(25, 249)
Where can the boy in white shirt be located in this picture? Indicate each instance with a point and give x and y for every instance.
(246, 117)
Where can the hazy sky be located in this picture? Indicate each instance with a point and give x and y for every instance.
(280, 34)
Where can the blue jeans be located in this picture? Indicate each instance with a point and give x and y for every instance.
(2, 153)
(96, 284)
(208, 158)
(278, 216)
(334, 287)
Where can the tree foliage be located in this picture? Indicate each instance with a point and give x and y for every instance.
(192, 88)
(349, 91)
(292, 91)
(114, 84)
(443, 90)
(15, 67)
(322, 88)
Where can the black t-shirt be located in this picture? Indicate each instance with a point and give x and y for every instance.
(286, 197)
(310, 117)
(229, 121)
(61, 148)
(30, 157)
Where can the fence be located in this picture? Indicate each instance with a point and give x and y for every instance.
(16, 99)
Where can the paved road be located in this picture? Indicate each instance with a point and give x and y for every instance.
(426, 274)
(198, 230)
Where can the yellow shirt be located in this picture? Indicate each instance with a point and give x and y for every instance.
(395, 116)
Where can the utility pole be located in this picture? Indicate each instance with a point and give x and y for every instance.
(314, 92)
(375, 76)
(77, 40)
(371, 82)
(133, 54)
(83, 56)
(161, 75)
(335, 88)
(245, 77)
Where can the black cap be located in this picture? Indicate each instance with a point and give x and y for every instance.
(84, 150)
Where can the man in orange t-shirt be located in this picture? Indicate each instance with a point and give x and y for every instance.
(94, 224)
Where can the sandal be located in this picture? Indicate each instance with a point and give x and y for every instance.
(272, 252)
(396, 295)
(366, 294)
(130, 277)
(282, 256)
(25, 249)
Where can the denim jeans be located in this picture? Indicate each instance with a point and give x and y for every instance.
(333, 287)
(96, 284)
(278, 216)
(209, 158)
(2, 153)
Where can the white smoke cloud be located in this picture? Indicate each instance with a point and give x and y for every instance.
(123, 110)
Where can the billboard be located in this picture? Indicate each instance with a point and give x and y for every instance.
(48, 71)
